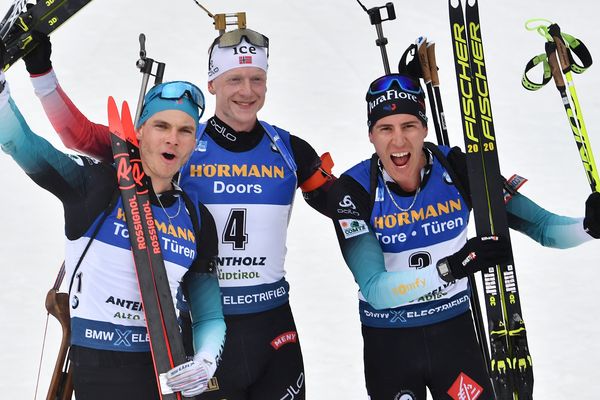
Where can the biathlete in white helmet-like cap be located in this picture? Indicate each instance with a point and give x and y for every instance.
(246, 172)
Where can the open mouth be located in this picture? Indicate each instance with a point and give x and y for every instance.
(168, 156)
(400, 159)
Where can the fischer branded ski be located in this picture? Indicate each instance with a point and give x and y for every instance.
(45, 17)
(165, 339)
(511, 367)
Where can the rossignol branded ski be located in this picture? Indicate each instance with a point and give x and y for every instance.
(165, 339)
(510, 366)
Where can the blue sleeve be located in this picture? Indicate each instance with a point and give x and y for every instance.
(544, 227)
(364, 256)
(382, 288)
(208, 325)
(34, 154)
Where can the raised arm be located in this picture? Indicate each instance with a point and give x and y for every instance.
(74, 129)
(48, 167)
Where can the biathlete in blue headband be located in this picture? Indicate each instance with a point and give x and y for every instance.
(110, 351)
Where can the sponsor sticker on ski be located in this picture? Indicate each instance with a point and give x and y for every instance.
(353, 227)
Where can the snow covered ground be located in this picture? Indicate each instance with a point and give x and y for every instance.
(323, 56)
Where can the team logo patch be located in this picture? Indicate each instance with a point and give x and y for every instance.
(284, 338)
(465, 388)
(353, 227)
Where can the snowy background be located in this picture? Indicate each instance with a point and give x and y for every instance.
(323, 56)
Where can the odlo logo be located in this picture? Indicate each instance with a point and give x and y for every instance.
(347, 202)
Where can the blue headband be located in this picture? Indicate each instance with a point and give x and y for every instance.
(177, 95)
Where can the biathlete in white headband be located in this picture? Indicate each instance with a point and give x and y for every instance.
(246, 172)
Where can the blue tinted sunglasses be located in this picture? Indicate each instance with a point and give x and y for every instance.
(405, 83)
(176, 90)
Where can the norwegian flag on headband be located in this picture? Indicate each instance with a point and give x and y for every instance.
(245, 60)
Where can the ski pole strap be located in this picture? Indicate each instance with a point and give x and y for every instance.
(573, 45)
(580, 50)
(412, 67)
(528, 83)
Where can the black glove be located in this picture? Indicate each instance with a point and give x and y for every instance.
(37, 61)
(591, 223)
(478, 253)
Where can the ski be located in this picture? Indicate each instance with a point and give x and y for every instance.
(510, 366)
(45, 17)
(165, 339)
(15, 9)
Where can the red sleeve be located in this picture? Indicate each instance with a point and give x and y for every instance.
(74, 129)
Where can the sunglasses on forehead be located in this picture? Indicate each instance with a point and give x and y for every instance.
(405, 83)
(176, 90)
(233, 38)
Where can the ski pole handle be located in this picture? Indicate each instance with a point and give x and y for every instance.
(424, 60)
(433, 69)
(559, 80)
(561, 48)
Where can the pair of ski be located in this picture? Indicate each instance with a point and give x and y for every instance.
(165, 339)
(20, 21)
(510, 365)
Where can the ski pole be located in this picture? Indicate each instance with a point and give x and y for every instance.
(559, 65)
(430, 75)
(426, 72)
(435, 80)
(581, 137)
(145, 65)
(376, 19)
(425, 66)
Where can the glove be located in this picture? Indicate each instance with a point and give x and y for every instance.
(191, 378)
(37, 61)
(478, 253)
(591, 222)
